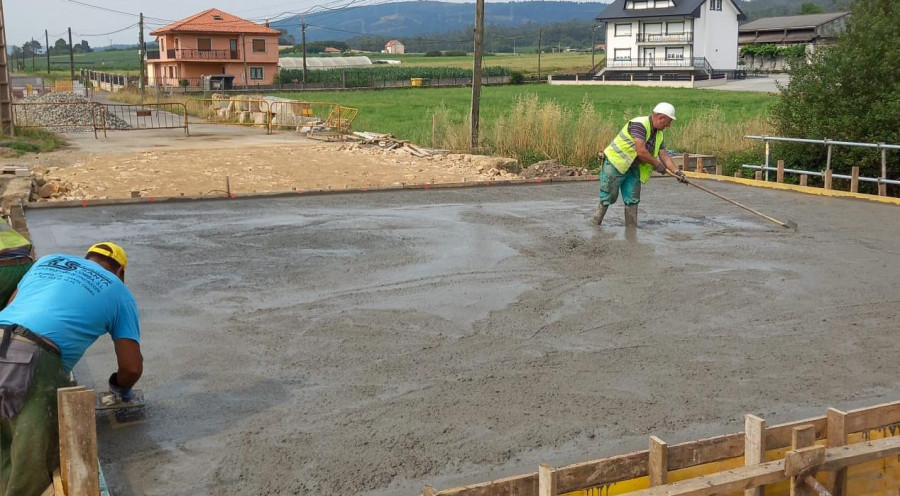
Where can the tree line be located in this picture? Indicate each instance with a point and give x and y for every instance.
(60, 47)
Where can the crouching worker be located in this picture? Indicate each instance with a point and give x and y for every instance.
(15, 260)
(628, 161)
(62, 305)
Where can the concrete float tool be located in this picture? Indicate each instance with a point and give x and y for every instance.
(789, 224)
(122, 412)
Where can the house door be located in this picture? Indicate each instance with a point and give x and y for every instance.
(232, 45)
(649, 56)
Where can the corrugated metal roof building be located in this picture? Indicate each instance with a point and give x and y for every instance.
(320, 63)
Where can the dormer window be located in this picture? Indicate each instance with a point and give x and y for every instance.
(648, 4)
(217, 18)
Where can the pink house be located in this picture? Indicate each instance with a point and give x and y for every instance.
(213, 43)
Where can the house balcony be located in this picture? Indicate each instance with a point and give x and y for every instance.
(199, 55)
(661, 39)
(649, 64)
(152, 54)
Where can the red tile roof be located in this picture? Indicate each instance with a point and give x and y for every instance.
(213, 21)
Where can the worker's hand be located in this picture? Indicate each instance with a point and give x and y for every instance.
(122, 394)
(681, 177)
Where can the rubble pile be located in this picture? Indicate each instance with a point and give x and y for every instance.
(65, 112)
(552, 168)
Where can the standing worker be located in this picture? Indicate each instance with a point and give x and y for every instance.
(62, 305)
(15, 260)
(633, 155)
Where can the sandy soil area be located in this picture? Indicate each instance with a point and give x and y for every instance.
(166, 163)
(373, 343)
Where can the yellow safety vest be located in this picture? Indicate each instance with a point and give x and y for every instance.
(621, 152)
(13, 243)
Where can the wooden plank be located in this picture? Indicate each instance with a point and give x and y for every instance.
(854, 179)
(63, 452)
(803, 436)
(658, 462)
(837, 436)
(803, 460)
(546, 480)
(707, 450)
(758, 175)
(57, 484)
(854, 454)
(828, 182)
(874, 417)
(725, 482)
(804, 179)
(779, 173)
(519, 485)
(600, 472)
(754, 447)
(78, 442)
(428, 491)
(779, 436)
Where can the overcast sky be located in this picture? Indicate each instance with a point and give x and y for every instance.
(102, 22)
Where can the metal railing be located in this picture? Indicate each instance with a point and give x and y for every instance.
(195, 54)
(829, 144)
(665, 38)
(694, 62)
(74, 117)
(312, 116)
(143, 117)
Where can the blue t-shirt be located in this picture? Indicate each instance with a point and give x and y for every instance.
(72, 301)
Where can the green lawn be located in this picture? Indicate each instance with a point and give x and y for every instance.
(119, 62)
(407, 113)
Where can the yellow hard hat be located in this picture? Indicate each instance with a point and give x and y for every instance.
(112, 251)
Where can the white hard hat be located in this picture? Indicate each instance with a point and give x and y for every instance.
(665, 109)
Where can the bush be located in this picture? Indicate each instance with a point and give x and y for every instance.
(455, 54)
(516, 77)
(433, 53)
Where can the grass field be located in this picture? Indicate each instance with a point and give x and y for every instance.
(551, 63)
(118, 61)
(708, 121)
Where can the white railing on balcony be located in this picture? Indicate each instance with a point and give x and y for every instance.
(649, 63)
(665, 38)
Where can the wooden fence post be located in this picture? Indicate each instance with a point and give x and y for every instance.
(78, 462)
(757, 175)
(828, 179)
(699, 165)
(801, 437)
(803, 179)
(738, 174)
(779, 174)
(754, 447)
(658, 462)
(854, 179)
(718, 168)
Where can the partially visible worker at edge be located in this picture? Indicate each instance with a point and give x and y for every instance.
(15, 260)
(62, 305)
(628, 161)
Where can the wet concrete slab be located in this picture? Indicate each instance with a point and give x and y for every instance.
(374, 343)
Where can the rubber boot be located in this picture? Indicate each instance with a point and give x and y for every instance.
(599, 214)
(631, 215)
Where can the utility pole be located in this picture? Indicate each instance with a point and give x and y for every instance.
(71, 56)
(476, 70)
(303, 42)
(47, 50)
(6, 117)
(540, 38)
(142, 51)
(593, 44)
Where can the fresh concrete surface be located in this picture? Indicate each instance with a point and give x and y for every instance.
(373, 343)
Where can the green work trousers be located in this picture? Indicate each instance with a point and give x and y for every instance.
(611, 181)
(9, 280)
(29, 442)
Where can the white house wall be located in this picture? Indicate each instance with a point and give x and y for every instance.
(613, 42)
(716, 35)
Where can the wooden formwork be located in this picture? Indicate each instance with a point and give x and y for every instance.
(840, 453)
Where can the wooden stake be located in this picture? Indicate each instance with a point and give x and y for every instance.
(428, 491)
(658, 463)
(854, 179)
(718, 168)
(757, 175)
(779, 174)
(801, 437)
(738, 174)
(828, 179)
(78, 441)
(836, 430)
(546, 480)
(685, 160)
(754, 447)
(803, 179)
(699, 166)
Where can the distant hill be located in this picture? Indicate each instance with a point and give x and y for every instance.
(407, 19)
(756, 9)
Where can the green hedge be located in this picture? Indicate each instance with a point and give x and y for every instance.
(765, 49)
(360, 77)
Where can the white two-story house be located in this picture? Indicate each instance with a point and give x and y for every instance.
(650, 39)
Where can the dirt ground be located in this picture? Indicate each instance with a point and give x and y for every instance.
(372, 343)
(167, 163)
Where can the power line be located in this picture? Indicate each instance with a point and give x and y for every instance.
(107, 34)
(107, 9)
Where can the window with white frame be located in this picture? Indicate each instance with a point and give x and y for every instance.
(622, 54)
(653, 28)
(675, 28)
(674, 53)
(719, 5)
(623, 29)
(715, 5)
(256, 73)
(640, 4)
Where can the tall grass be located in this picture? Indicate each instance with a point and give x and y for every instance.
(535, 129)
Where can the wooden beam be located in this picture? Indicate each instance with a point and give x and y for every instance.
(854, 179)
(828, 174)
(802, 461)
(864, 419)
(658, 462)
(428, 491)
(854, 454)
(57, 484)
(837, 437)
(804, 179)
(707, 450)
(779, 173)
(516, 485)
(781, 435)
(726, 482)
(546, 480)
(605, 471)
(754, 447)
(78, 442)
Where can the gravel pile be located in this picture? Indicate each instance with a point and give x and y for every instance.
(552, 168)
(65, 112)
